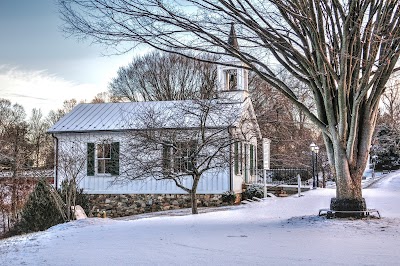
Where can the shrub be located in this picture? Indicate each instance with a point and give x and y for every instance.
(254, 190)
(229, 197)
(43, 209)
(70, 191)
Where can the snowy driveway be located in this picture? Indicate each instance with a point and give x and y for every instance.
(279, 231)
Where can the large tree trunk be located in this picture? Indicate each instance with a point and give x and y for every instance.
(348, 189)
(347, 186)
(349, 161)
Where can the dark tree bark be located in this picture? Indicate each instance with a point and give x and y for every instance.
(193, 193)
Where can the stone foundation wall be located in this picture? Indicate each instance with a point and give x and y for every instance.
(130, 204)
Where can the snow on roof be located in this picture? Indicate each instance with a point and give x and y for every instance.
(140, 115)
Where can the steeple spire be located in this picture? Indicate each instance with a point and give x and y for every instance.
(232, 39)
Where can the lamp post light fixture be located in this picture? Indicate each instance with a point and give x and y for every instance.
(314, 150)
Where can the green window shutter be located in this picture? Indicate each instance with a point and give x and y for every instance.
(114, 169)
(251, 159)
(90, 159)
(236, 158)
(240, 158)
(166, 157)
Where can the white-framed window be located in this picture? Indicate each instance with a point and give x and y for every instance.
(179, 157)
(103, 158)
(231, 79)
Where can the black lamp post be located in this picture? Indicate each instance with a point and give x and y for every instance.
(374, 157)
(314, 150)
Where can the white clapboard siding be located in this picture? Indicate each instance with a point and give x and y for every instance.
(210, 183)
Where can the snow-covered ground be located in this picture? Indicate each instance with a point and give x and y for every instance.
(278, 231)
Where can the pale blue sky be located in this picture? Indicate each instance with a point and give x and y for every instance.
(39, 66)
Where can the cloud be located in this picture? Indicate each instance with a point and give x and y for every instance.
(16, 95)
(41, 89)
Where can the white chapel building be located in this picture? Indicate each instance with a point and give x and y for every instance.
(94, 145)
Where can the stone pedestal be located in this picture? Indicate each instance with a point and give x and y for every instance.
(348, 205)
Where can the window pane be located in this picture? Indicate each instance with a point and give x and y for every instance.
(184, 156)
(101, 166)
(107, 150)
(226, 80)
(105, 164)
(108, 166)
(177, 164)
(232, 80)
(99, 150)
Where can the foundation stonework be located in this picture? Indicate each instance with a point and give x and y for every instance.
(130, 204)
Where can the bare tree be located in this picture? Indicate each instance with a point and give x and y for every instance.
(24, 147)
(161, 76)
(183, 142)
(289, 130)
(4, 206)
(104, 97)
(71, 167)
(54, 116)
(391, 102)
(15, 147)
(344, 51)
(40, 141)
(51, 119)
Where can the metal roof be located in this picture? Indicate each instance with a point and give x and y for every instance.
(139, 115)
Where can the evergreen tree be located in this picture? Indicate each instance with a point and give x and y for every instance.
(43, 209)
(387, 148)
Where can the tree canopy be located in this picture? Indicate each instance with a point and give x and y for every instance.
(161, 76)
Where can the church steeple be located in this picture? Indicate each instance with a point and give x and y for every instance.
(232, 74)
